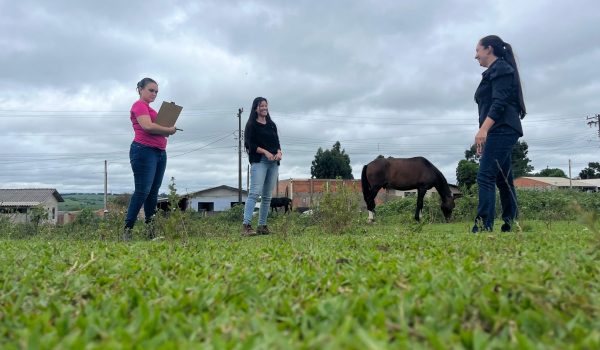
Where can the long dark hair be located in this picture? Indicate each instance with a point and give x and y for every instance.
(504, 50)
(142, 83)
(252, 118)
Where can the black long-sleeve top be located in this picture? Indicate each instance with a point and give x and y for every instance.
(260, 135)
(497, 96)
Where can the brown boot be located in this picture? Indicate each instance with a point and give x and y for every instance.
(247, 230)
(263, 230)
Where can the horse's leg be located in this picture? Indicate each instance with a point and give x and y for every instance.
(371, 203)
(421, 195)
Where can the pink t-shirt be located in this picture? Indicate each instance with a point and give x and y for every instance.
(145, 138)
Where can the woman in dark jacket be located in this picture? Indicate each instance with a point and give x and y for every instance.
(501, 107)
(264, 152)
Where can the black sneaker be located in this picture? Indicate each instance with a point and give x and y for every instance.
(505, 227)
(263, 230)
(127, 235)
(478, 226)
(150, 231)
(247, 231)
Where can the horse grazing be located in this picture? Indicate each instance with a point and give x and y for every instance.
(281, 202)
(405, 174)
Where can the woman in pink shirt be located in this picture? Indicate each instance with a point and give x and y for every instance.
(147, 155)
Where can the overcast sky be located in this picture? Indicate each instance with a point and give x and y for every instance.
(383, 77)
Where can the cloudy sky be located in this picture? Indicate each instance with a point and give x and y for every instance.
(383, 77)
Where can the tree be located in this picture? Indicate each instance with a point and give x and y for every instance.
(551, 172)
(471, 154)
(466, 173)
(591, 172)
(330, 164)
(520, 162)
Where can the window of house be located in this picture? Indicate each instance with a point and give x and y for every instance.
(206, 206)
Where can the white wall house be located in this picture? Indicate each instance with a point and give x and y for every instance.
(220, 198)
(18, 204)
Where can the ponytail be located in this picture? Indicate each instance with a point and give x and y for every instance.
(142, 83)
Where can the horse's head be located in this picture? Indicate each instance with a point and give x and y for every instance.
(448, 206)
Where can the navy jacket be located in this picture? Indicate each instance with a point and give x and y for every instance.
(497, 96)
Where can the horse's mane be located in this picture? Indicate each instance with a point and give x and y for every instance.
(441, 184)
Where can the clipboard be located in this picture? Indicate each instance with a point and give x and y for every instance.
(168, 114)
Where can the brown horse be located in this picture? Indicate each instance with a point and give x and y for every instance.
(405, 174)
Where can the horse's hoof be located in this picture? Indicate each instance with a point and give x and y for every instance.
(371, 221)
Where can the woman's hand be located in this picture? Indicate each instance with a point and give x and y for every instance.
(480, 138)
(481, 135)
(172, 130)
(279, 155)
(269, 155)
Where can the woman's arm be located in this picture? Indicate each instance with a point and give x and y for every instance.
(267, 154)
(502, 89)
(481, 135)
(153, 128)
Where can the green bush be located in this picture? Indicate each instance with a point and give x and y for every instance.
(533, 205)
(233, 215)
(338, 211)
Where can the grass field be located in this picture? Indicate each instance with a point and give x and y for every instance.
(376, 287)
(78, 201)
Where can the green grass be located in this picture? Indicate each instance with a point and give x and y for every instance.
(379, 286)
(78, 201)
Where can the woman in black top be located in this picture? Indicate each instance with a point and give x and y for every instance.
(264, 151)
(501, 107)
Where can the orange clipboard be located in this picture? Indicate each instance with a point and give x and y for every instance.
(168, 114)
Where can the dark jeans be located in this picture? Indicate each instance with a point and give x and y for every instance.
(148, 165)
(495, 169)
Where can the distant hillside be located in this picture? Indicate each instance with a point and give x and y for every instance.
(78, 201)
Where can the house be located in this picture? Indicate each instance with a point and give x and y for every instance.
(306, 193)
(19, 204)
(553, 183)
(215, 199)
(67, 217)
(164, 203)
(593, 182)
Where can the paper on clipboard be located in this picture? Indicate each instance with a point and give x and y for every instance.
(168, 114)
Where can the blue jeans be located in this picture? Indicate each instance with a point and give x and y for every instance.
(148, 165)
(495, 169)
(263, 177)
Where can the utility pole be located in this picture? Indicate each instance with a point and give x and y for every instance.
(239, 115)
(105, 187)
(570, 182)
(594, 122)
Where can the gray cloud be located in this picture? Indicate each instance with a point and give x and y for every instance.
(392, 78)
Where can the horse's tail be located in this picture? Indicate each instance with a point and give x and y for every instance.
(366, 188)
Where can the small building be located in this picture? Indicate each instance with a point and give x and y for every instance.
(215, 199)
(18, 204)
(164, 204)
(593, 182)
(554, 183)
